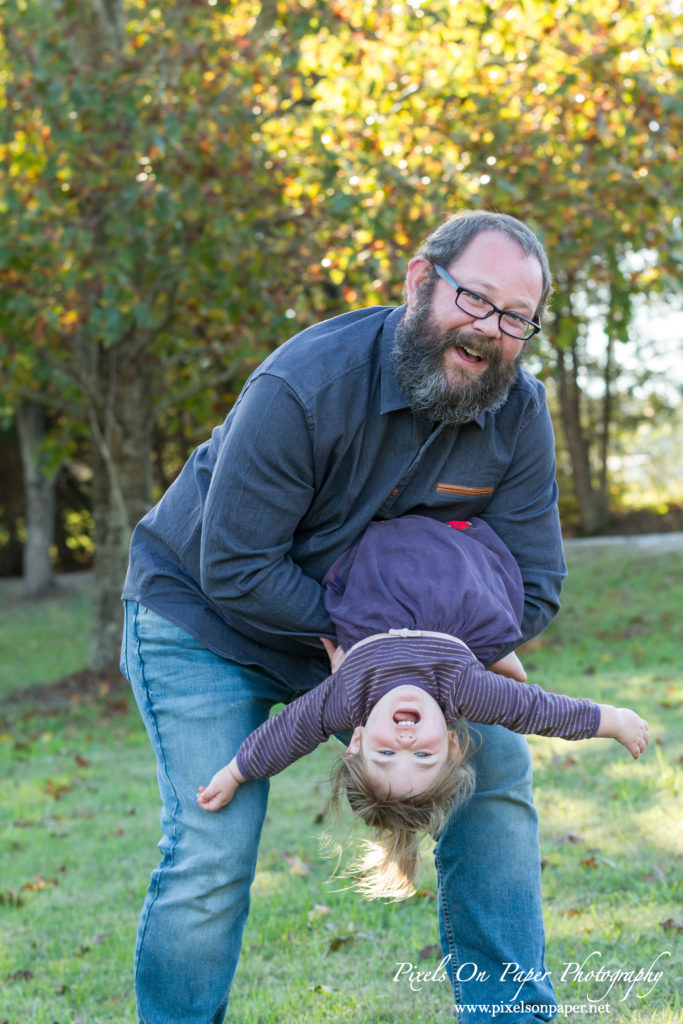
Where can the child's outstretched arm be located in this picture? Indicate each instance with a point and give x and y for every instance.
(221, 789)
(490, 698)
(283, 738)
(624, 725)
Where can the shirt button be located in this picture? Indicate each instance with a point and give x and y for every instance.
(394, 492)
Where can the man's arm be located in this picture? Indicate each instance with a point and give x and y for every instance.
(523, 512)
(262, 485)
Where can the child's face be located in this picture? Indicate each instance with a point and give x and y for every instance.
(404, 743)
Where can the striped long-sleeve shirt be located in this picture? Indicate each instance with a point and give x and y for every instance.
(443, 667)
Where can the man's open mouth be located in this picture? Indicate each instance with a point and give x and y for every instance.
(469, 355)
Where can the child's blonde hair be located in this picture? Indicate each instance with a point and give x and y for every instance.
(387, 864)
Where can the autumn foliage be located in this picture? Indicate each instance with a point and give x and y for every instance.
(184, 185)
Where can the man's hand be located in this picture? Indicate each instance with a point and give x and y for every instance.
(335, 654)
(221, 789)
(509, 666)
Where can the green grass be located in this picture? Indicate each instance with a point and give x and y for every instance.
(79, 824)
(43, 640)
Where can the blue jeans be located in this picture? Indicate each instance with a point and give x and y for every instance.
(197, 709)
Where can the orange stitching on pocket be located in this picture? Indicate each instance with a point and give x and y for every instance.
(461, 489)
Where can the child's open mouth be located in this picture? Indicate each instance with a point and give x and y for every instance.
(406, 717)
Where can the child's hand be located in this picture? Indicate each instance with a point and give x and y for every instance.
(335, 654)
(221, 789)
(632, 731)
(626, 726)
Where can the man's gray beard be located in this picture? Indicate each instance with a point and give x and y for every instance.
(418, 363)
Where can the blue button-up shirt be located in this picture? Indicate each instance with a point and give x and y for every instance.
(320, 442)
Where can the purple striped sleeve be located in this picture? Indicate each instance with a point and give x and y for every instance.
(489, 698)
(295, 731)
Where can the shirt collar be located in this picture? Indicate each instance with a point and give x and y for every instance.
(391, 397)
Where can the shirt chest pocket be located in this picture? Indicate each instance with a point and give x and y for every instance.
(462, 501)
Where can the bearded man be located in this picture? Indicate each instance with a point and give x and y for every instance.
(381, 412)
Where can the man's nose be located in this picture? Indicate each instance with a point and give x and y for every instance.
(488, 325)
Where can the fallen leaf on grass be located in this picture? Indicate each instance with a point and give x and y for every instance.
(562, 762)
(19, 976)
(572, 837)
(319, 913)
(56, 789)
(337, 942)
(297, 866)
(424, 895)
(427, 952)
(38, 884)
(81, 761)
(588, 862)
(671, 925)
(574, 912)
(10, 899)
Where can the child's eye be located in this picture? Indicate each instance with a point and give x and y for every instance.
(422, 753)
(387, 753)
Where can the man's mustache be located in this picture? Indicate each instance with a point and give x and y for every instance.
(483, 347)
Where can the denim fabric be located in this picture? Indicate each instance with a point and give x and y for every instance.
(197, 709)
(489, 874)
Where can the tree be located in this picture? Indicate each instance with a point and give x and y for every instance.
(184, 185)
(40, 497)
(134, 280)
(562, 113)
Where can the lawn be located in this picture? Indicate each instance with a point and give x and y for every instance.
(79, 824)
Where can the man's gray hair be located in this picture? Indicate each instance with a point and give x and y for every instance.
(451, 239)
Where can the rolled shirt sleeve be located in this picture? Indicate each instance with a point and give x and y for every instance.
(523, 513)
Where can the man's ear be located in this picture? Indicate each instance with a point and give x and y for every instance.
(354, 745)
(418, 269)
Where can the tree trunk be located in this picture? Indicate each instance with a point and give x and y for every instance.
(592, 508)
(122, 440)
(606, 426)
(39, 490)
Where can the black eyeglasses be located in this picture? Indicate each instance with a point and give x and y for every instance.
(512, 324)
